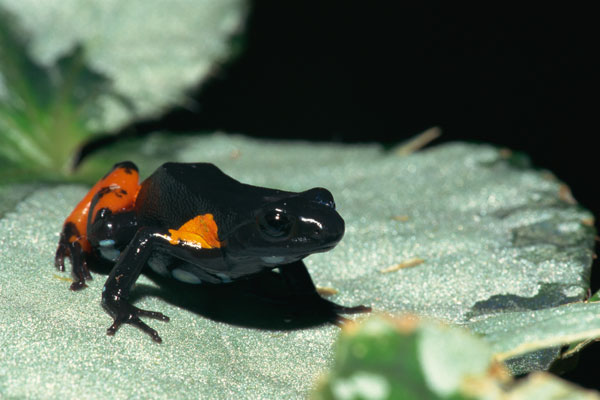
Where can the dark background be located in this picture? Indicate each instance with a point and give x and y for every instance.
(520, 77)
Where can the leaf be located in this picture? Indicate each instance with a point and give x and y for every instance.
(69, 71)
(153, 51)
(42, 108)
(405, 358)
(11, 195)
(497, 240)
(514, 333)
(545, 386)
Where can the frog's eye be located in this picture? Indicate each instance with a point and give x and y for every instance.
(275, 224)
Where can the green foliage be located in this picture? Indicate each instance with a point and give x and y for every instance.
(405, 358)
(43, 110)
(376, 361)
(515, 333)
(69, 71)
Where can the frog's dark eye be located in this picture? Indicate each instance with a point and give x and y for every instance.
(275, 224)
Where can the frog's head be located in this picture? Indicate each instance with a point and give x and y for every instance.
(288, 229)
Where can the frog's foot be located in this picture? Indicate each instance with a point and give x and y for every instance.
(78, 256)
(348, 310)
(125, 313)
(315, 304)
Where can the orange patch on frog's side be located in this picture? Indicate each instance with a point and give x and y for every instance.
(200, 230)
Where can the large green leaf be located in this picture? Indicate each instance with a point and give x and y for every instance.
(42, 109)
(69, 70)
(481, 237)
(152, 51)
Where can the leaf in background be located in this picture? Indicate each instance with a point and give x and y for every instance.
(514, 333)
(42, 109)
(152, 51)
(404, 358)
(69, 70)
(545, 386)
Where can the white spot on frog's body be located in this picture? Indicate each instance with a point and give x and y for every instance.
(158, 262)
(110, 253)
(107, 249)
(273, 259)
(185, 276)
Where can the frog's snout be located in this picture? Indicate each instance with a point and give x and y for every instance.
(327, 232)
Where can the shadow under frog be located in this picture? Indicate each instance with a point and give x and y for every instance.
(259, 302)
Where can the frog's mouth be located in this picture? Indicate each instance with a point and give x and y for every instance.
(295, 256)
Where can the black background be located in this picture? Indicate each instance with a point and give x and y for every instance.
(520, 77)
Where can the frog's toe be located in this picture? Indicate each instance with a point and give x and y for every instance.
(152, 314)
(330, 311)
(135, 321)
(59, 258)
(350, 310)
(144, 327)
(77, 285)
(338, 320)
(80, 270)
(339, 309)
(78, 257)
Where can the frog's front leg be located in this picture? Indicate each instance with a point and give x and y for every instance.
(126, 271)
(308, 299)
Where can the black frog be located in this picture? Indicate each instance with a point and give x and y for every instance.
(193, 223)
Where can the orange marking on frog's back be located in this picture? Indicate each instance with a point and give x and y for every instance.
(126, 179)
(201, 230)
(116, 200)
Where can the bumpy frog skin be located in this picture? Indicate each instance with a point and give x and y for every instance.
(193, 223)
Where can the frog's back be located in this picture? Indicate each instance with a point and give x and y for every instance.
(177, 192)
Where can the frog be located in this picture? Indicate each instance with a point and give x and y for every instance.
(193, 223)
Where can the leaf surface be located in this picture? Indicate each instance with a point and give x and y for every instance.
(498, 241)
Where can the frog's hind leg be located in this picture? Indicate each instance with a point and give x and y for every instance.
(77, 248)
(74, 242)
